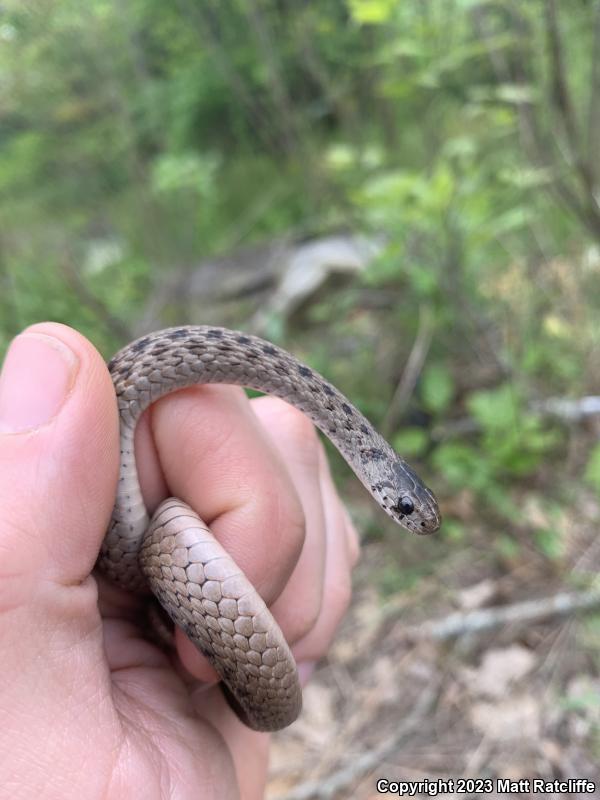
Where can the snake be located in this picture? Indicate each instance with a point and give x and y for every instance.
(172, 554)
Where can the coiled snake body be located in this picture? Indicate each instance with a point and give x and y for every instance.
(176, 556)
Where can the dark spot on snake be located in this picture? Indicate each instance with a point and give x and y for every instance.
(242, 340)
(140, 344)
(364, 429)
(328, 390)
(332, 430)
(330, 407)
(314, 388)
(180, 333)
(215, 333)
(346, 409)
(269, 350)
(375, 454)
(305, 371)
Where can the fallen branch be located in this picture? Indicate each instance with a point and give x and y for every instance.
(566, 409)
(570, 410)
(412, 371)
(485, 619)
(356, 767)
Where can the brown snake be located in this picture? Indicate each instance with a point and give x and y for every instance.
(175, 555)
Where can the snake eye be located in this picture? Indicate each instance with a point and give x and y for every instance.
(405, 506)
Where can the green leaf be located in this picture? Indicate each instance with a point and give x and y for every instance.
(371, 12)
(462, 465)
(495, 409)
(341, 156)
(514, 219)
(411, 441)
(527, 177)
(453, 530)
(437, 387)
(442, 186)
(506, 546)
(515, 93)
(185, 171)
(550, 542)
(592, 470)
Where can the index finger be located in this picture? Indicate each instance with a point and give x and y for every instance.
(207, 445)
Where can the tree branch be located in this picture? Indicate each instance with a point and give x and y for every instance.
(201, 16)
(560, 92)
(594, 103)
(537, 144)
(413, 369)
(562, 101)
(486, 619)
(566, 409)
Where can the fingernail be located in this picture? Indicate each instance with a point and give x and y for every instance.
(36, 378)
(305, 671)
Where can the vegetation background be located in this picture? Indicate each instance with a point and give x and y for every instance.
(140, 140)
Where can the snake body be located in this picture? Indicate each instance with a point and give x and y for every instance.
(175, 555)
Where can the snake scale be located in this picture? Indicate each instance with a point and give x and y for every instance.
(174, 554)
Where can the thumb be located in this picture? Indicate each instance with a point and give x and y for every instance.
(58, 463)
(58, 472)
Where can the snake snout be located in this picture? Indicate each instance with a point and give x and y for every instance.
(429, 517)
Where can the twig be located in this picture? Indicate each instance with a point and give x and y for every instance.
(486, 619)
(566, 409)
(594, 102)
(560, 88)
(538, 144)
(563, 102)
(356, 767)
(333, 90)
(410, 376)
(203, 17)
(281, 101)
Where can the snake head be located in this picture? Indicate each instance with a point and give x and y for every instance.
(407, 500)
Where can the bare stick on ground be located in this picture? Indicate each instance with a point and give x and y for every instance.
(485, 619)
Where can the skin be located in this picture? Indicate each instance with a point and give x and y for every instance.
(88, 708)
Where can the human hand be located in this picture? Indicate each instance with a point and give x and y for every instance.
(88, 707)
